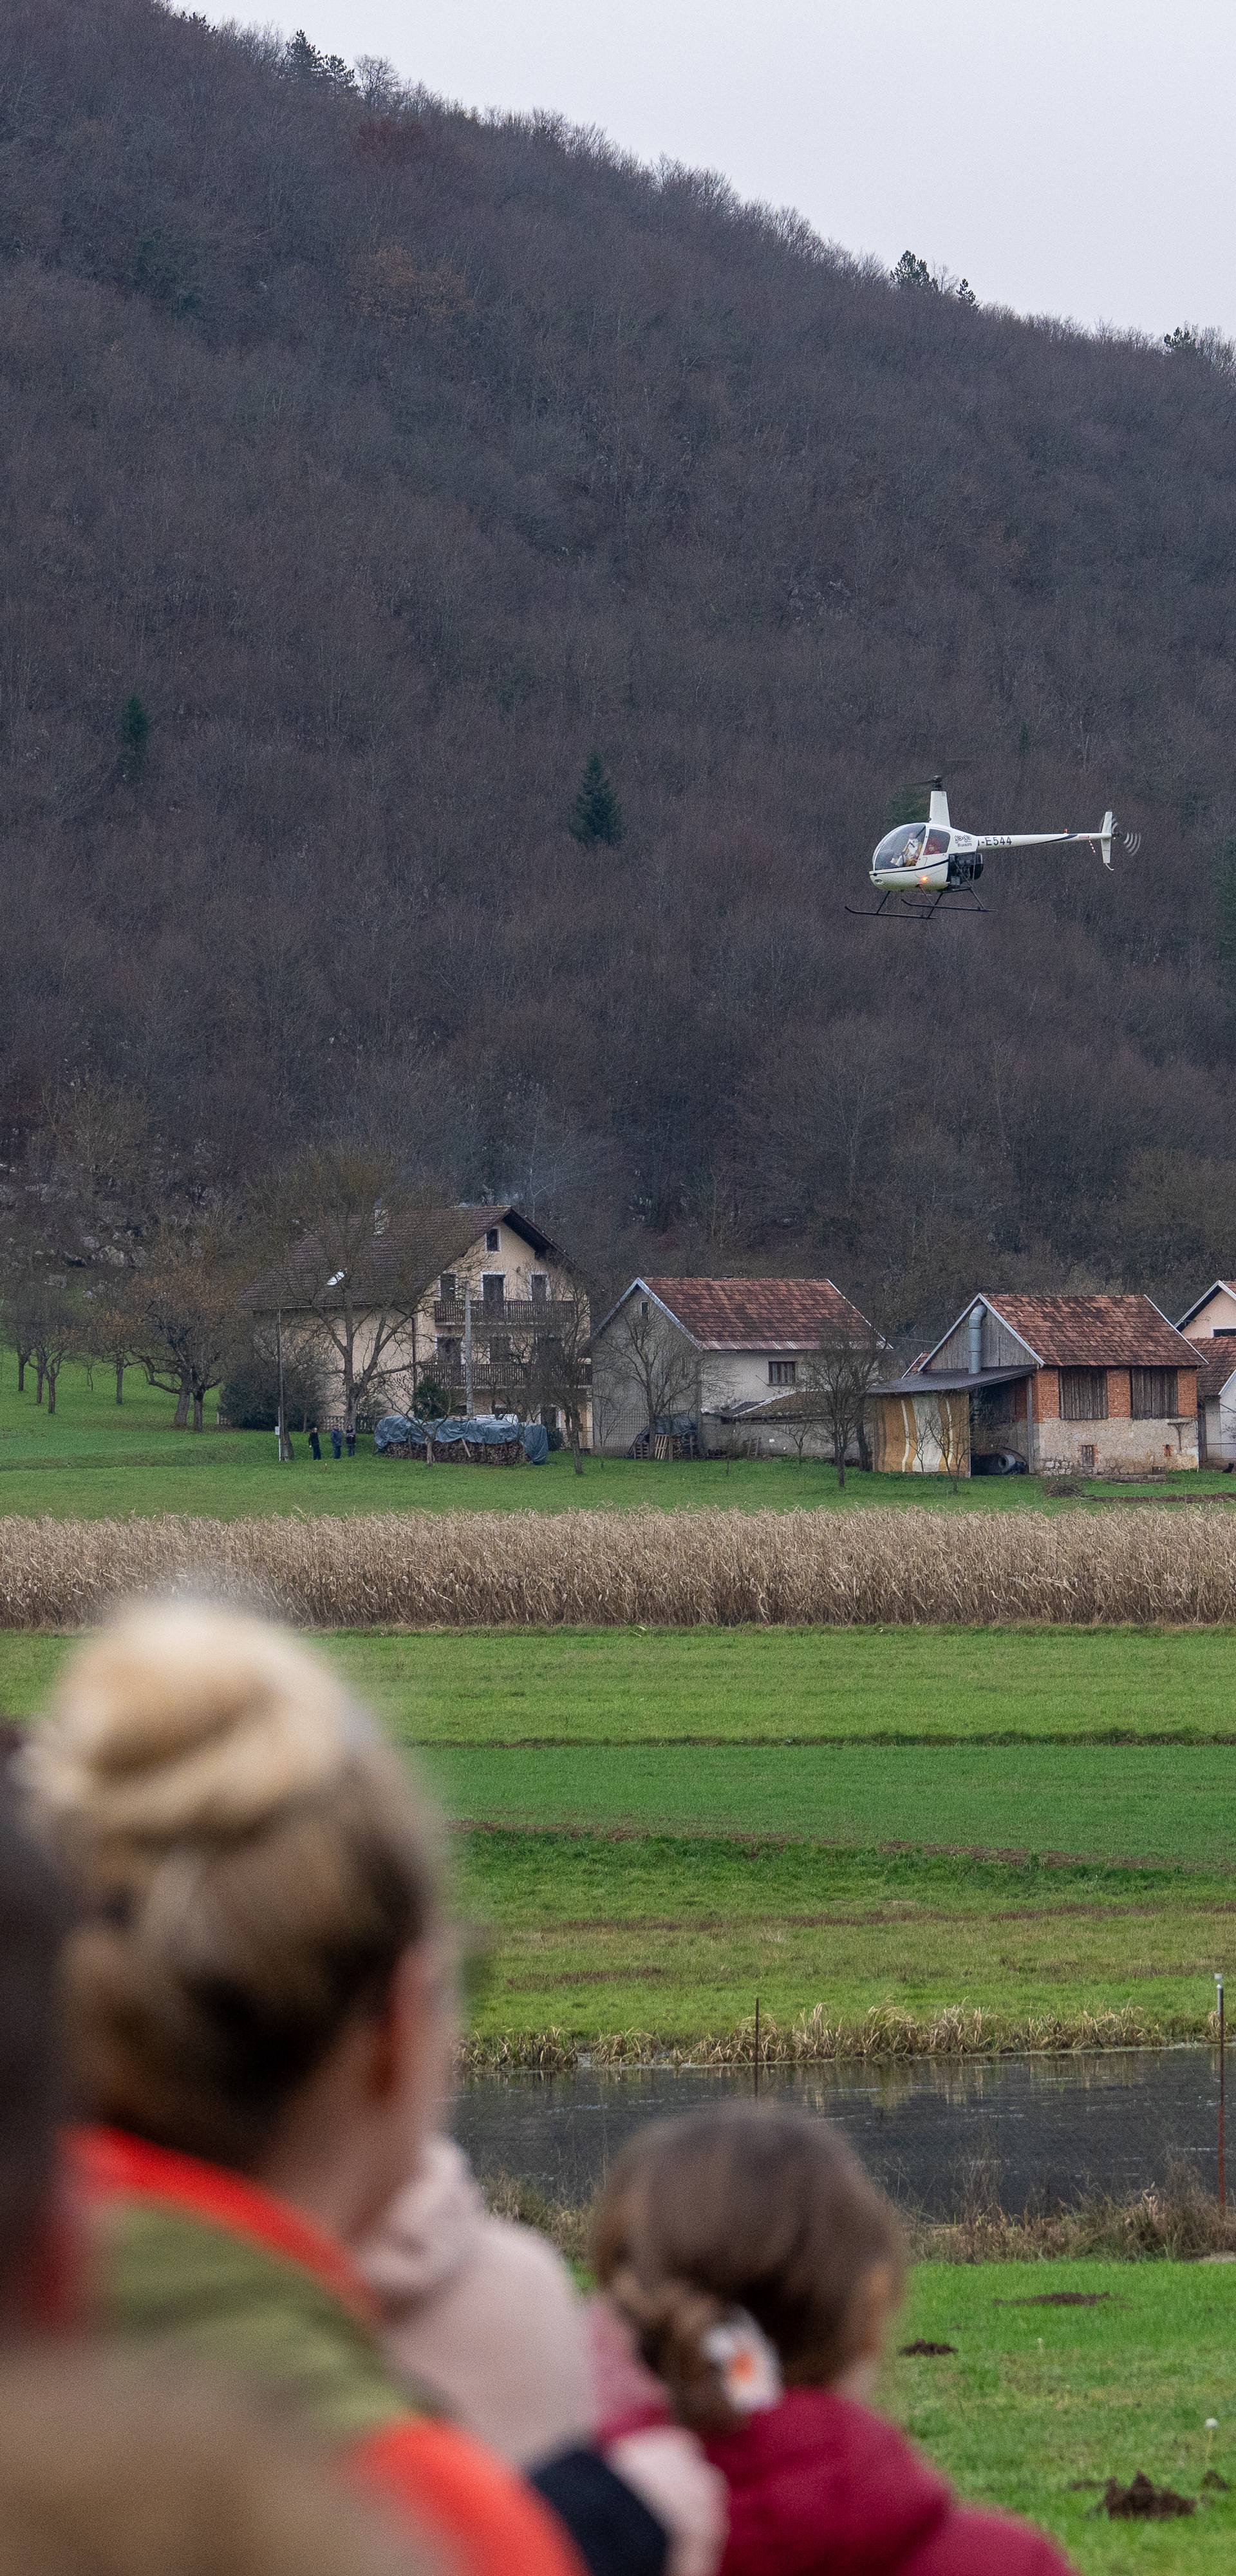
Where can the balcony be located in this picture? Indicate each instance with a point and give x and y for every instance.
(510, 1315)
(488, 1377)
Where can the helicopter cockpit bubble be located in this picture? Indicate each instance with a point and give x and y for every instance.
(909, 844)
(895, 850)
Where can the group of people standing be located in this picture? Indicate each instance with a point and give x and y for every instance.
(256, 2310)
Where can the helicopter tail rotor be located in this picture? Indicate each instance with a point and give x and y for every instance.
(1129, 842)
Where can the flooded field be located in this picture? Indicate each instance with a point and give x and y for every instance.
(1030, 2132)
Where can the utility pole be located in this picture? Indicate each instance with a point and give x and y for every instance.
(468, 1346)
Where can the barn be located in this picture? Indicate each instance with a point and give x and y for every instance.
(1096, 1386)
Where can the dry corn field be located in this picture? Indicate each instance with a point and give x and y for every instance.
(1140, 1564)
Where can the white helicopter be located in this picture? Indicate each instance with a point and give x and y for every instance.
(935, 858)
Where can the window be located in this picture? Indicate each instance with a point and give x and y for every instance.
(1152, 1394)
(491, 1239)
(1083, 1395)
(900, 849)
(539, 1286)
(446, 1347)
(493, 1287)
(448, 1288)
(1087, 1457)
(500, 1350)
(782, 1372)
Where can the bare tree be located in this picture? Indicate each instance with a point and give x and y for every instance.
(835, 1384)
(185, 1312)
(354, 1249)
(942, 1415)
(558, 1365)
(658, 1358)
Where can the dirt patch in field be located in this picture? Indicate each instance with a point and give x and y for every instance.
(1141, 2501)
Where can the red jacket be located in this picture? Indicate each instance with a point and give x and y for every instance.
(188, 2254)
(821, 2487)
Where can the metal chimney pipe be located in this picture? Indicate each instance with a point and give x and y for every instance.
(976, 1340)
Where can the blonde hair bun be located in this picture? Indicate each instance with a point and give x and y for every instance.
(188, 1721)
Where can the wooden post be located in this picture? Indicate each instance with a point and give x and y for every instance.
(282, 1428)
(757, 2043)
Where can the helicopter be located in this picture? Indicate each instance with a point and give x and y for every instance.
(937, 859)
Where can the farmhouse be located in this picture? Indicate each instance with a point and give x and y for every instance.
(712, 1359)
(1098, 1386)
(500, 1295)
(1210, 1325)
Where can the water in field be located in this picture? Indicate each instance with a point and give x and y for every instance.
(1032, 2131)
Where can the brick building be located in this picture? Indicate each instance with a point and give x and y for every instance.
(1097, 1386)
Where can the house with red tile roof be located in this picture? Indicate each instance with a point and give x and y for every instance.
(1210, 1324)
(713, 1361)
(1096, 1386)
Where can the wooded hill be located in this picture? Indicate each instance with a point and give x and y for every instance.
(369, 464)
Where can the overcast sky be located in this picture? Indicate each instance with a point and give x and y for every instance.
(1067, 156)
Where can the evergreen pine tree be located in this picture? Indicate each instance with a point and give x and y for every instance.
(597, 814)
(134, 731)
(913, 271)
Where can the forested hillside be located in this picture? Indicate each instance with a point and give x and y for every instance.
(368, 465)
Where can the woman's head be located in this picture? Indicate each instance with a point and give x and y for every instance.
(747, 2207)
(255, 1869)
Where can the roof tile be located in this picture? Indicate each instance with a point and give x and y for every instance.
(1216, 1364)
(1094, 1332)
(757, 1314)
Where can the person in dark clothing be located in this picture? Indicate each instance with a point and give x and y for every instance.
(757, 2268)
(336, 1441)
(315, 1445)
(350, 1439)
(37, 2255)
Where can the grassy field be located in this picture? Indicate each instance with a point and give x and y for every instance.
(93, 1459)
(1108, 1802)
(1042, 2404)
(637, 1873)
(775, 1686)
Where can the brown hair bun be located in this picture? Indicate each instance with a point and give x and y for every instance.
(183, 1721)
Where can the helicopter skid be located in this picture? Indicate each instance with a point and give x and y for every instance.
(903, 909)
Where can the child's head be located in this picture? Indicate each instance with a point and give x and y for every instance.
(753, 2207)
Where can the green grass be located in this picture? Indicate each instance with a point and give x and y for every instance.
(677, 1936)
(1149, 1802)
(644, 1876)
(94, 1459)
(613, 1686)
(1038, 2399)
(753, 1685)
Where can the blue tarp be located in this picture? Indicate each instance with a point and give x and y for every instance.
(479, 1430)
